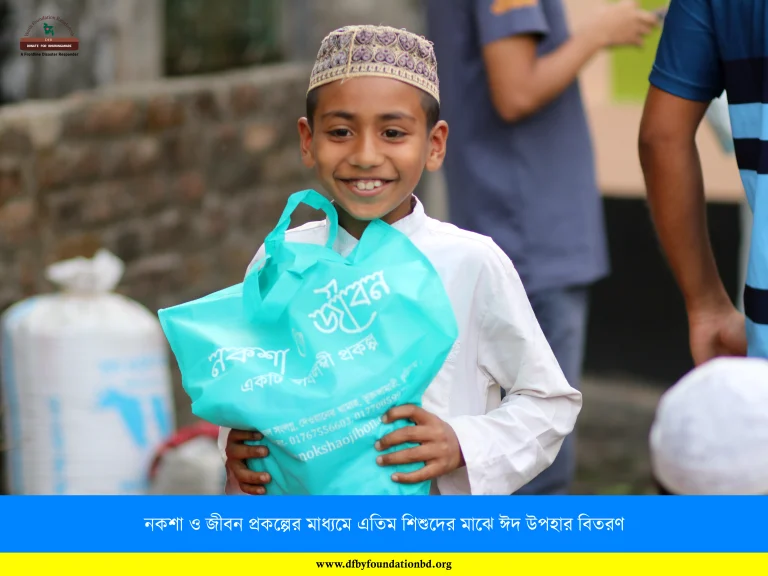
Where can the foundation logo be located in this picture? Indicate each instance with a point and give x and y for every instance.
(57, 38)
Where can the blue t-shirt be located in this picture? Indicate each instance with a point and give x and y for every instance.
(530, 185)
(708, 46)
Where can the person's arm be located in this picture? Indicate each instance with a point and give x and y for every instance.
(675, 184)
(508, 447)
(686, 77)
(520, 81)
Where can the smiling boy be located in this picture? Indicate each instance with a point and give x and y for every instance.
(372, 127)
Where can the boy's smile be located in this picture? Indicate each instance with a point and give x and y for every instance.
(366, 187)
(369, 144)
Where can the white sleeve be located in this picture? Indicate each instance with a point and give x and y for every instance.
(260, 253)
(512, 444)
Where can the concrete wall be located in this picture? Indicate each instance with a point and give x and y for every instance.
(182, 179)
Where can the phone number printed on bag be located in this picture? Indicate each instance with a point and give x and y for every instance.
(319, 432)
(337, 313)
(380, 406)
(378, 400)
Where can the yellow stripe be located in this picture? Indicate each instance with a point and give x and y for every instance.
(306, 563)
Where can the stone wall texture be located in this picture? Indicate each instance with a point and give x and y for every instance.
(182, 179)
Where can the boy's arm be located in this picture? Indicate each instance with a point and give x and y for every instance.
(686, 76)
(509, 446)
(520, 81)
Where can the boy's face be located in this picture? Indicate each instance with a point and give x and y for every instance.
(369, 145)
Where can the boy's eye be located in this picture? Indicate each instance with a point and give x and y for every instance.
(340, 133)
(392, 134)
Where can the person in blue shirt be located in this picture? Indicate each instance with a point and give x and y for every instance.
(708, 46)
(520, 167)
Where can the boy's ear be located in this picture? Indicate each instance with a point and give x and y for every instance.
(438, 140)
(305, 138)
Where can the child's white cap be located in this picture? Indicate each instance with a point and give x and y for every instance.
(710, 433)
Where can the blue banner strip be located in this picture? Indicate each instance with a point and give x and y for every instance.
(382, 524)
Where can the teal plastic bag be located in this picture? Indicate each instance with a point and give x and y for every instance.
(313, 348)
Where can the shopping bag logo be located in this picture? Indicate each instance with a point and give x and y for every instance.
(336, 313)
(224, 355)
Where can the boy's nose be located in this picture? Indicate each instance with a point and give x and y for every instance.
(366, 154)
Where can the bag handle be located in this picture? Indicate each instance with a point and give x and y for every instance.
(310, 198)
(269, 306)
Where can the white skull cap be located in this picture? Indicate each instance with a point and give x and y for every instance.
(710, 433)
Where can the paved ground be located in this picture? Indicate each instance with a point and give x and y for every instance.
(613, 436)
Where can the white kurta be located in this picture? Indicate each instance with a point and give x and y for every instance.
(505, 443)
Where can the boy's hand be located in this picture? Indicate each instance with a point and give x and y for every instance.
(238, 452)
(439, 446)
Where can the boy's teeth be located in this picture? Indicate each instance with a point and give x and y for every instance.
(367, 184)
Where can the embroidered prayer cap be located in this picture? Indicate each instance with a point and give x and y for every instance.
(710, 433)
(355, 51)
